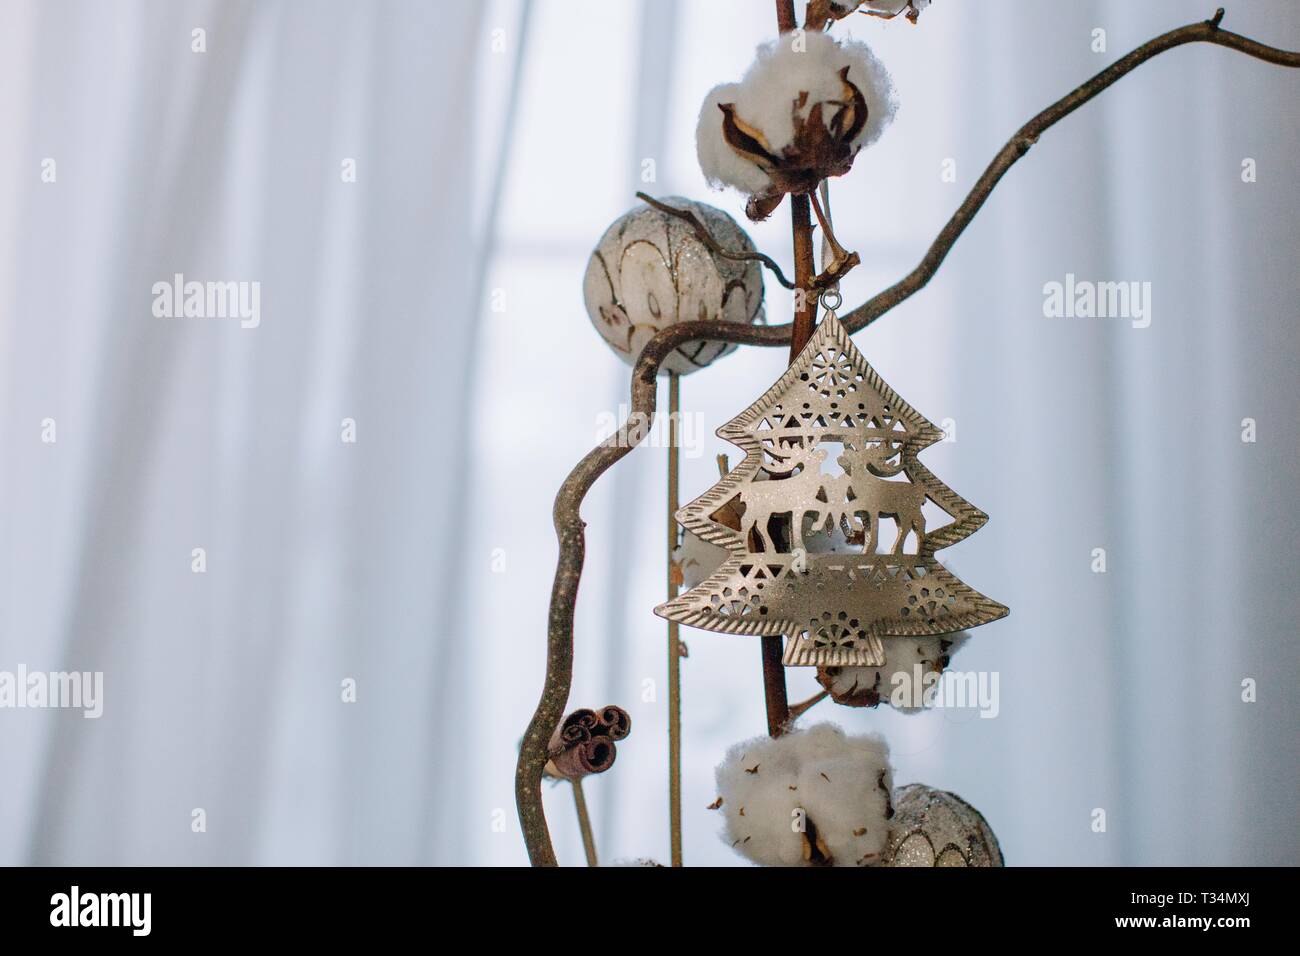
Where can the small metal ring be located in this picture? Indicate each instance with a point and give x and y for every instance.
(831, 299)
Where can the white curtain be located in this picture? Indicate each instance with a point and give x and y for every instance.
(417, 561)
(326, 560)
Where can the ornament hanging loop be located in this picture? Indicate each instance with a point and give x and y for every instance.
(831, 300)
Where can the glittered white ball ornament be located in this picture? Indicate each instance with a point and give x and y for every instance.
(650, 271)
(937, 828)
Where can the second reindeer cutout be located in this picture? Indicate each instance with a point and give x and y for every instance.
(825, 519)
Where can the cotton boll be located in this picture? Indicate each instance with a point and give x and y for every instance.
(853, 686)
(895, 682)
(846, 795)
(722, 165)
(811, 797)
(761, 135)
(758, 789)
(811, 62)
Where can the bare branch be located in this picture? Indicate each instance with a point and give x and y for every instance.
(785, 21)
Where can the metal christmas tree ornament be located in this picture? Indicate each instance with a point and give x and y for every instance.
(829, 520)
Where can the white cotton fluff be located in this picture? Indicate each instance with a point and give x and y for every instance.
(722, 165)
(867, 686)
(788, 66)
(836, 784)
(781, 72)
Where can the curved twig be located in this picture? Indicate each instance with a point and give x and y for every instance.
(568, 521)
(843, 263)
(702, 233)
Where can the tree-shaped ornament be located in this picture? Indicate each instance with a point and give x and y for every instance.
(830, 457)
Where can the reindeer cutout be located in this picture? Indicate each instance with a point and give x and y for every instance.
(859, 497)
(795, 489)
